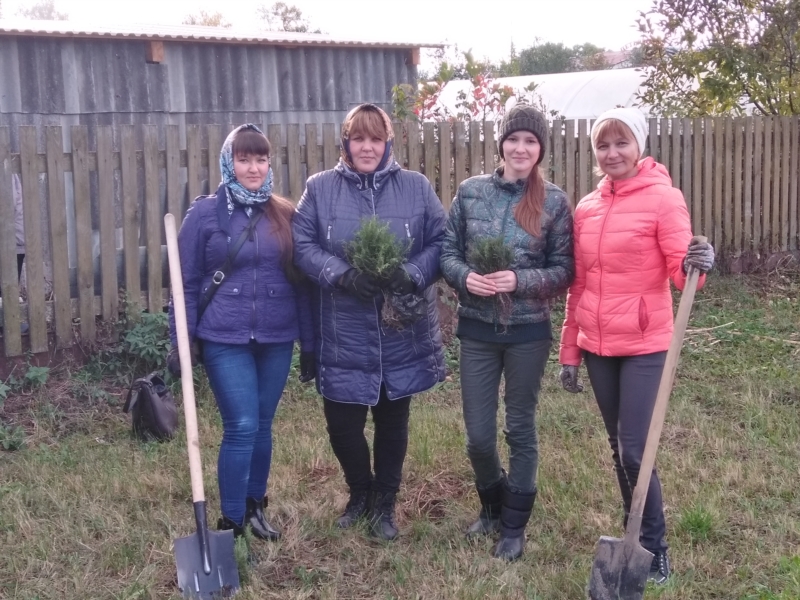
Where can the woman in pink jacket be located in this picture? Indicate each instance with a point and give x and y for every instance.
(631, 238)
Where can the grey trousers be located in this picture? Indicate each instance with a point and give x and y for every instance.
(625, 388)
(482, 364)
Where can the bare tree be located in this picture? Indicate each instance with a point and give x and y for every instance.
(285, 17)
(45, 10)
(206, 19)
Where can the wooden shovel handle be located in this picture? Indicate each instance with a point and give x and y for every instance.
(187, 382)
(662, 398)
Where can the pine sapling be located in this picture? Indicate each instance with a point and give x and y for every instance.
(490, 255)
(376, 251)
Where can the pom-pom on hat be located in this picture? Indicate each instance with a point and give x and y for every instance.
(632, 117)
(523, 117)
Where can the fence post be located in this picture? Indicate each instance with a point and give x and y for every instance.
(445, 166)
(9, 283)
(130, 220)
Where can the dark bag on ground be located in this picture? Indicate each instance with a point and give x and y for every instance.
(152, 407)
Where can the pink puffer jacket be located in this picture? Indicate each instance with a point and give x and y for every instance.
(630, 239)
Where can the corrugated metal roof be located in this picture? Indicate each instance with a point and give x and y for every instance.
(194, 33)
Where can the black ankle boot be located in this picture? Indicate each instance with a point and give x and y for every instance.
(514, 516)
(489, 517)
(225, 524)
(254, 517)
(381, 520)
(355, 509)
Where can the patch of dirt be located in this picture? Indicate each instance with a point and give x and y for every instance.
(428, 497)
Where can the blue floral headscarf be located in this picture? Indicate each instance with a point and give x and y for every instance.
(236, 191)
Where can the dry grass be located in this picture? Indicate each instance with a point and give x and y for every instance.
(87, 512)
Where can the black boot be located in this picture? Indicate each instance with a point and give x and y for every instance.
(514, 516)
(381, 519)
(355, 509)
(254, 517)
(489, 517)
(225, 523)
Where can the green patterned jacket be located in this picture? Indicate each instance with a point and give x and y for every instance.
(544, 265)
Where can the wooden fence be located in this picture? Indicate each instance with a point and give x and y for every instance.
(93, 208)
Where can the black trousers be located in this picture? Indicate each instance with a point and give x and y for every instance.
(346, 424)
(625, 388)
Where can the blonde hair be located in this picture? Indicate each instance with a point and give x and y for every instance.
(610, 127)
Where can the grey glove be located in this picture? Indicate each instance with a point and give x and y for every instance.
(569, 379)
(700, 255)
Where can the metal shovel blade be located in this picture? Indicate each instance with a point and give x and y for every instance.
(222, 580)
(619, 571)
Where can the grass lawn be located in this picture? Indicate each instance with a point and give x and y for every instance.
(88, 512)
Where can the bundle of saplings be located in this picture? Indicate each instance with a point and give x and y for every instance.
(490, 255)
(376, 251)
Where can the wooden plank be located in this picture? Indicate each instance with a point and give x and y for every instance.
(489, 147)
(719, 199)
(785, 176)
(296, 181)
(775, 195)
(130, 219)
(686, 165)
(9, 283)
(747, 194)
(675, 146)
(312, 150)
(429, 146)
(584, 161)
(697, 176)
(445, 166)
(57, 209)
(83, 231)
(330, 154)
(475, 149)
(460, 152)
(34, 246)
(570, 150)
(173, 172)
(215, 140)
(193, 162)
(738, 143)
(766, 189)
(105, 209)
(793, 185)
(413, 144)
(153, 218)
(758, 152)
(663, 125)
(399, 146)
(558, 153)
(275, 135)
(708, 177)
(546, 164)
(727, 193)
(652, 139)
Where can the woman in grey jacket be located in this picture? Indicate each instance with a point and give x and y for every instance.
(363, 364)
(534, 220)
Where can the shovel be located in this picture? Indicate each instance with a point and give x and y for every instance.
(205, 560)
(621, 566)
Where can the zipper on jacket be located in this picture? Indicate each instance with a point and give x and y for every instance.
(408, 231)
(255, 275)
(600, 262)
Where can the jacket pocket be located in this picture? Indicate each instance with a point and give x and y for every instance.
(644, 315)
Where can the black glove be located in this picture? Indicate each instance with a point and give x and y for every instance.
(308, 366)
(569, 379)
(400, 282)
(361, 285)
(700, 255)
(174, 359)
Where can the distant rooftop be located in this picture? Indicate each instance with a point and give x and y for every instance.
(196, 33)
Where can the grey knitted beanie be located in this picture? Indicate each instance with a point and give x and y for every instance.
(523, 117)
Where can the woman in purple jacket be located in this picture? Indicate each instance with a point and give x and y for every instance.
(249, 326)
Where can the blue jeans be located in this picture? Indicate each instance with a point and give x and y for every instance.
(247, 381)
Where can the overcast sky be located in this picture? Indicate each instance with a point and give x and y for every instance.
(487, 27)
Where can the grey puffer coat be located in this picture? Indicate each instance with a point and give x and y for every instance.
(355, 352)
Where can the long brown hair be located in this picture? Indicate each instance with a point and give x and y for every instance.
(528, 212)
(278, 210)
